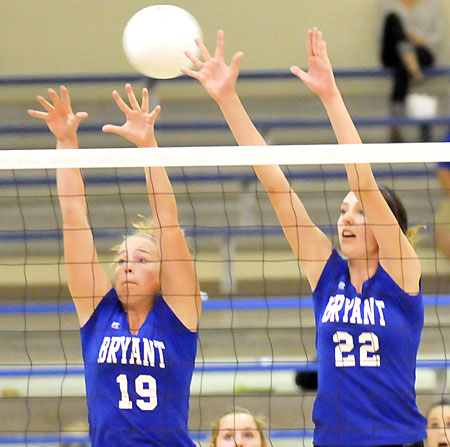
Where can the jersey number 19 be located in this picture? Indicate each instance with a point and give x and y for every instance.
(145, 386)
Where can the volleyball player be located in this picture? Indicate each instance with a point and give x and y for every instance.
(368, 309)
(139, 338)
(438, 429)
(238, 427)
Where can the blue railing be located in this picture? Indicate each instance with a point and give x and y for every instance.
(292, 174)
(263, 125)
(203, 367)
(250, 75)
(256, 303)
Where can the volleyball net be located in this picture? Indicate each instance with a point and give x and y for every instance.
(257, 333)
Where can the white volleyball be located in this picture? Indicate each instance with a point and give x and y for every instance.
(156, 37)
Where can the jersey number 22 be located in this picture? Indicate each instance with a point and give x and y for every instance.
(368, 347)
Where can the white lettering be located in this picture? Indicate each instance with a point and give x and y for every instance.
(354, 311)
(348, 307)
(135, 352)
(356, 314)
(103, 350)
(380, 307)
(369, 345)
(124, 343)
(130, 350)
(369, 311)
(328, 310)
(113, 348)
(344, 345)
(334, 305)
(159, 345)
(338, 303)
(149, 353)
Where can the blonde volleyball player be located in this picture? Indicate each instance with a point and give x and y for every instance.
(368, 309)
(238, 428)
(139, 338)
(438, 429)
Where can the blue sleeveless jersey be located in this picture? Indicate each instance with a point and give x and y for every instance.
(137, 386)
(366, 347)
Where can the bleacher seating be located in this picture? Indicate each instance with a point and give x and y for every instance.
(265, 125)
(250, 346)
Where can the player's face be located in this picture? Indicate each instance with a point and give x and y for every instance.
(355, 236)
(138, 268)
(438, 430)
(238, 430)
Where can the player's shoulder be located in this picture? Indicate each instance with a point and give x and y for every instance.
(108, 306)
(334, 266)
(335, 269)
(385, 282)
(164, 317)
(109, 302)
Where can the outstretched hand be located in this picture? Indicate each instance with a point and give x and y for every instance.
(60, 119)
(139, 127)
(218, 78)
(319, 78)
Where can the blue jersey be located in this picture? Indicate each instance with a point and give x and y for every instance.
(366, 347)
(137, 386)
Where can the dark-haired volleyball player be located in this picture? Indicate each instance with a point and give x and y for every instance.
(139, 338)
(368, 309)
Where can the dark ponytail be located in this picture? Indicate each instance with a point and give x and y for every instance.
(396, 206)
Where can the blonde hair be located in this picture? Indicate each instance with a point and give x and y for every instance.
(412, 235)
(259, 422)
(143, 228)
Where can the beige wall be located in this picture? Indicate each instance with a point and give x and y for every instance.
(70, 36)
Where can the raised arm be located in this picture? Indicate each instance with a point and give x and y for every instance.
(87, 280)
(397, 256)
(308, 242)
(179, 284)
